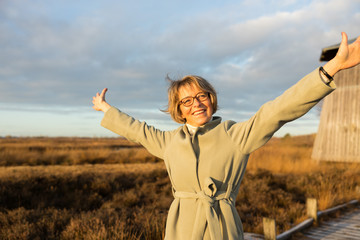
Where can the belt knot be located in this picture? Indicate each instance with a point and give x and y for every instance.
(206, 198)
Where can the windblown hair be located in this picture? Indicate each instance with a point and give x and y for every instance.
(173, 107)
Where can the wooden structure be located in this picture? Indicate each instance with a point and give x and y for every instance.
(342, 226)
(338, 137)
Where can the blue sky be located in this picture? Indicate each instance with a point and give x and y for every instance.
(55, 55)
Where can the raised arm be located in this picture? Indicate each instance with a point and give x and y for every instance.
(295, 101)
(154, 140)
(292, 104)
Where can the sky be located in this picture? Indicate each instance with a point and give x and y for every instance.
(55, 56)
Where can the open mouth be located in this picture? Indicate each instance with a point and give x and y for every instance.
(198, 112)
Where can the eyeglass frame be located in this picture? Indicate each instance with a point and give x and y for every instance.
(206, 95)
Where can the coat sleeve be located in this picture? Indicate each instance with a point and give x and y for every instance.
(151, 138)
(292, 104)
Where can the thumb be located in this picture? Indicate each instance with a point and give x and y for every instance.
(102, 95)
(344, 40)
(343, 48)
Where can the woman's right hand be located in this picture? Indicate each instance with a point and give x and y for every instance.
(99, 101)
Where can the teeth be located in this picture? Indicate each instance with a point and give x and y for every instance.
(198, 112)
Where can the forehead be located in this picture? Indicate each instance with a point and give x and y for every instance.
(188, 91)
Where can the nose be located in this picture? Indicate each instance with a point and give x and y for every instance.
(196, 102)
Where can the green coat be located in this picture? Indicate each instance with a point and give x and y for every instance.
(206, 169)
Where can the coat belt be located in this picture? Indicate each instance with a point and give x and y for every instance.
(208, 196)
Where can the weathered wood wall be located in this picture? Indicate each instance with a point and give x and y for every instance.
(338, 137)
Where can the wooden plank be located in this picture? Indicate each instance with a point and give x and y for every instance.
(329, 232)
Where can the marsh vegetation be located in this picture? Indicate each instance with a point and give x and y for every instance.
(109, 188)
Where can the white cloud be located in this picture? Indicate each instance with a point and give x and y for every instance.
(62, 53)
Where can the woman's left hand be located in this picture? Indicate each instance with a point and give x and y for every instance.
(347, 56)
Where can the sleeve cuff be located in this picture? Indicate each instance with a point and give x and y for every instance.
(330, 84)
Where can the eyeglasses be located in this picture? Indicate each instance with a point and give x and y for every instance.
(188, 101)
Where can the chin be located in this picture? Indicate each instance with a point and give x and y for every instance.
(201, 122)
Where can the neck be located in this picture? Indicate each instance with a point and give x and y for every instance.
(192, 129)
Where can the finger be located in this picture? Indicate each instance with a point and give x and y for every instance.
(344, 39)
(103, 92)
(343, 48)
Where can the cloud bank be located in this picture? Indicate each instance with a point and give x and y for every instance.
(61, 54)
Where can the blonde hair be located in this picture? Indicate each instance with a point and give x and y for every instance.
(173, 107)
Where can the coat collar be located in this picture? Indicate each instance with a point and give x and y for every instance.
(204, 128)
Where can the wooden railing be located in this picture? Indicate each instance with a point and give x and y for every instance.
(311, 206)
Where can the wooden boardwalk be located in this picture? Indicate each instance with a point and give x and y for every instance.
(344, 227)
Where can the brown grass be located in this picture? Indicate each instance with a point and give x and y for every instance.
(70, 151)
(335, 183)
(285, 155)
(43, 197)
(127, 201)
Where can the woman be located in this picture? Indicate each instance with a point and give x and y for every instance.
(206, 158)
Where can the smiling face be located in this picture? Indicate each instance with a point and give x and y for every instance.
(199, 112)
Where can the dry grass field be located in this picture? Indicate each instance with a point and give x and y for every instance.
(86, 188)
(70, 151)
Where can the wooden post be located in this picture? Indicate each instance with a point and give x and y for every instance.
(311, 206)
(269, 226)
